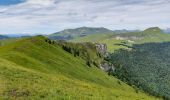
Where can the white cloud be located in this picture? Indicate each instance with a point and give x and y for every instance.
(41, 2)
(48, 16)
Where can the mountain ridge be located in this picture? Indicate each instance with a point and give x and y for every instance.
(68, 34)
(37, 68)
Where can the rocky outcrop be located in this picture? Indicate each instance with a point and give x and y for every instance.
(102, 49)
(104, 65)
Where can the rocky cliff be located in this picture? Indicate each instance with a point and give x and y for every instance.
(104, 65)
(102, 49)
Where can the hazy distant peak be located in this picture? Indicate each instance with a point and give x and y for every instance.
(153, 29)
(79, 32)
(3, 37)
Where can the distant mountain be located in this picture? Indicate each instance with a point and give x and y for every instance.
(18, 35)
(153, 34)
(125, 31)
(149, 35)
(153, 30)
(68, 34)
(109, 37)
(167, 30)
(3, 37)
(135, 35)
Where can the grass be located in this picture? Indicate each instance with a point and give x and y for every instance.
(102, 38)
(111, 44)
(92, 38)
(34, 69)
(155, 38)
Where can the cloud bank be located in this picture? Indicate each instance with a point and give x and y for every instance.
(48, 16)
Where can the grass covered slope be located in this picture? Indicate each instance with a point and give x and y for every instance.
(87, 51)
(34, 69)
(147, 66)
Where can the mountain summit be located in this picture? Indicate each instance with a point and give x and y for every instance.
(153, 30)
(78, 32)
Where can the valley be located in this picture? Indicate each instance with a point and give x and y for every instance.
(37, 67)
(130, 50)
(84, 49)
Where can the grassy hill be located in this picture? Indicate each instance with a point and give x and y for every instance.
(32, 68)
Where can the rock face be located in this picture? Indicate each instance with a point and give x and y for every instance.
(104, 65)
(102, 49)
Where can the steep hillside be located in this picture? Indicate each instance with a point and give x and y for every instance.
(146, 66)
(68, 34)
(34, 68)
(86, 51)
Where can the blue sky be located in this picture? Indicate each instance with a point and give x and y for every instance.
(10, 2)
(48, 16)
